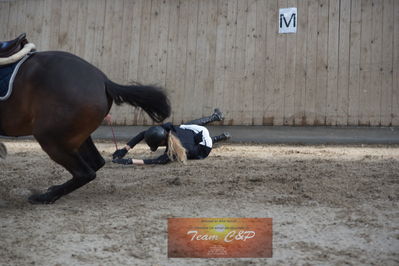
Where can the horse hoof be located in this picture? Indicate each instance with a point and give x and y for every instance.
(44, 198)
(3, 151)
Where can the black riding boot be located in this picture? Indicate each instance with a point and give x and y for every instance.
(216, 116)
(224, 136)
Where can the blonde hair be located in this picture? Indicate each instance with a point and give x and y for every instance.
(176, 151)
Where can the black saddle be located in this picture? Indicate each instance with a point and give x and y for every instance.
(9, 48)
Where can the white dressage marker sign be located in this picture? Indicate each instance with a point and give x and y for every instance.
(287, 20)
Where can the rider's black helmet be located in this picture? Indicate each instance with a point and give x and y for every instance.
(155, 136)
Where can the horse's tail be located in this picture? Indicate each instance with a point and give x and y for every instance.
(153, 100)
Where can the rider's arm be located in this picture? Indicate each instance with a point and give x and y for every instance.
(163, 159)
(139, 137)
(118, 154)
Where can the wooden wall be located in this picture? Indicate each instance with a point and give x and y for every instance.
(340, 68)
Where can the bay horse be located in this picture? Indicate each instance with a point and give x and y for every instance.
(60, 99)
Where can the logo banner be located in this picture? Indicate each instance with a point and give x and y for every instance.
(220, 237)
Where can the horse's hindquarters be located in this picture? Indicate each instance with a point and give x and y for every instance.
(55, 94)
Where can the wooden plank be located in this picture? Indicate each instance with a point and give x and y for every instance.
(395, 91)
(158, 30)
(156, 57)
(239, 64)
(153, 55)
(354, 68)
(100, 7)
(90, 31)
(4, 17)
(168, 65)
(190, 82)
(189, 98)
(181, 60)
(333, 52)
(144, 53)
(322, 62)
(260, 66)
(119, 52)
(163, 41)
(220, 63)
(290, 62)
(387, 64)
(116, 55)
(126, 37)
(111, 59)
(80, 41)
(271, 35)
(172, 54)
(134, 47)
(231, 28)
(94, 32)
(30, 20)
(10, 31)
(45, 43)
(109, 16)
(300, 64)
(55, 22)
(279, 89)
(17, 18)
(38, 21)
(68, 26)
(374, 99)
(209, 98)
(129, 28)
(157, 47)
(311, 64)
(249, 71)
(365, 62)
(201, 61)
(343, 63)
(144, 41)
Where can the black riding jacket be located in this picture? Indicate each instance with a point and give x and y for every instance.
(188, 138)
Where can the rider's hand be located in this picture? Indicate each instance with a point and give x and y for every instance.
(118, 154)
(123, 161)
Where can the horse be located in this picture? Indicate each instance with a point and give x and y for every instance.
(60, 99)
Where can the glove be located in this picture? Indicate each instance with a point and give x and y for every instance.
(119, 153)
(123, 161)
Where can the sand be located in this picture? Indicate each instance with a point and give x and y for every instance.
(329, 204)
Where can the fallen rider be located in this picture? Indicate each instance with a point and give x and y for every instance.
(189, 141)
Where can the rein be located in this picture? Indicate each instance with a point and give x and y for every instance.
(113, 135)
(108, 118)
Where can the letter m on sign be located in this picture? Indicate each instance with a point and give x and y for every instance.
(287, 20)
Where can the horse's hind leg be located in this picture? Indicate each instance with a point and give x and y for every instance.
(90, 154)
(81, 172)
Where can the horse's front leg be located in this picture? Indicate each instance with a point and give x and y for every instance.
(74, 163)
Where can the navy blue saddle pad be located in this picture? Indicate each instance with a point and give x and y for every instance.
(7, 75)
